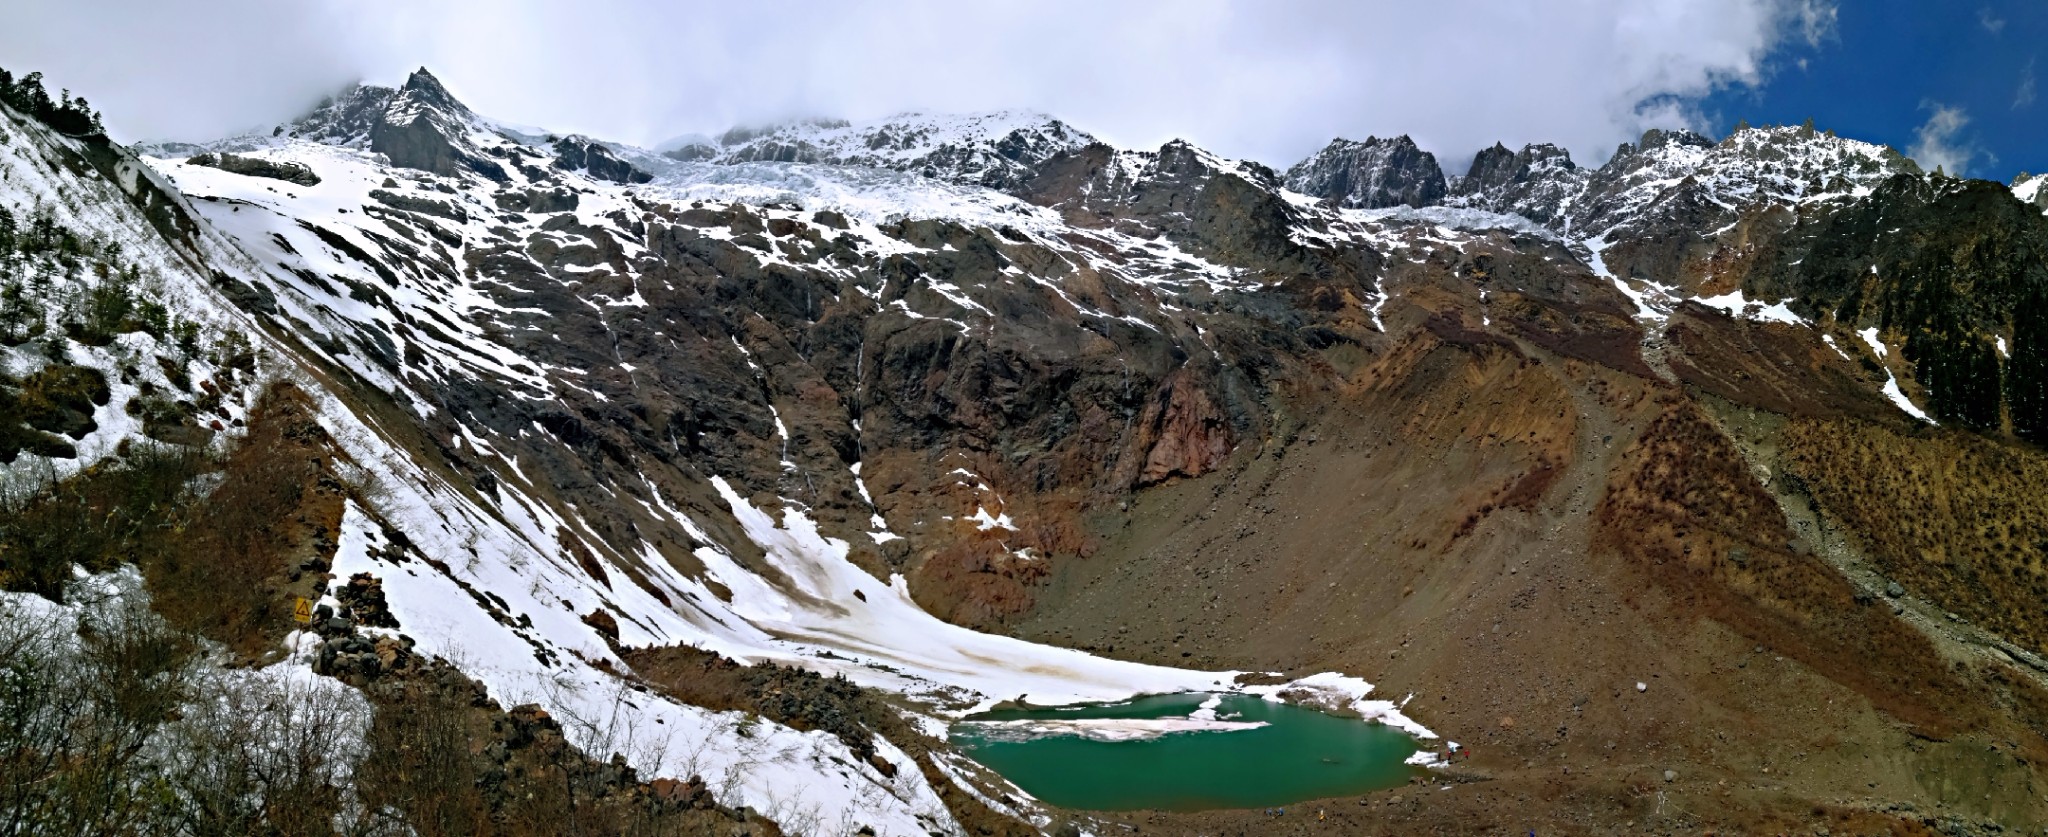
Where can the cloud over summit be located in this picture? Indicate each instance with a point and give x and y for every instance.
(1269, 80)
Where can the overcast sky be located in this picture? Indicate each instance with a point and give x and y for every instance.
(1269, 80)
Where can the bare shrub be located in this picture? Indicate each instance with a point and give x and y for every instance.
(80, 699)
(263, 752)
(421, 776)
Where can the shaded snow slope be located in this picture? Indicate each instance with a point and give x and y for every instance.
(995, 150)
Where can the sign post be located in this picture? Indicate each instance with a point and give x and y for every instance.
(302, 610)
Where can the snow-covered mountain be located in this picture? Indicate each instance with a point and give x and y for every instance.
(974, 410)
(2030, 188)
(1752, 167)
(1671, 183)
(996, 150)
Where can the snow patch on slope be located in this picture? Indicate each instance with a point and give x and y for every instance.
(1742, 309)
(1891, 381)
(756, 762)
(888, 635)
(1898, 396)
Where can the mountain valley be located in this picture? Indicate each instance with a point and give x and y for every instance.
(1699, 491)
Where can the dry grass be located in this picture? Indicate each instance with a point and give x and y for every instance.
(220, 562)
(225, 569)
(1685, 510)
(1772, 366)
(794, 697)
(981, 578)
(1955, 517)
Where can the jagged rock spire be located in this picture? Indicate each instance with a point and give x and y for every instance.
(1371, 174)
(424, 127)
(424, 89)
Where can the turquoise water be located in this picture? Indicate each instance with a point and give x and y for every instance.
(1298, 754)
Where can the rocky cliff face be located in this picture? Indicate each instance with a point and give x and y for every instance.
(1667, 171)
(1539, 182)
(1372, 174)
(1946, 270)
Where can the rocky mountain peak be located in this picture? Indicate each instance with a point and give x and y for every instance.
(1809, 149)
(1231, 213)
(425, 127)
(1777, 163)
(1680, 171)
(423, 97)
(1491, 167)
(1657, 138)
(343, 119)
(1497, 168)
(1539, 182)
(1179, 157)
(1372, 174)
(422, 88)
(349, 117)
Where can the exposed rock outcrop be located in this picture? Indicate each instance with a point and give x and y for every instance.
(1537, 182)
(580, 154)
(344, 119)
(1372, 174)
(1186, 434)
(288, 172)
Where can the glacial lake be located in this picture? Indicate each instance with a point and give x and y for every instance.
(1186, 753)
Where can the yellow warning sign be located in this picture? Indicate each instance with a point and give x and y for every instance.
(302, 610)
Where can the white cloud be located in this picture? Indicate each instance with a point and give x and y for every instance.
(1816, 19)
(2024, 96)
(1939, 142)
(185, 69)
(1266, 79)
(1991, 22)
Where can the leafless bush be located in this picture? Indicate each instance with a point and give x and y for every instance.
(269, 751)
(421, 777)
(111, 723)
(80, 698)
